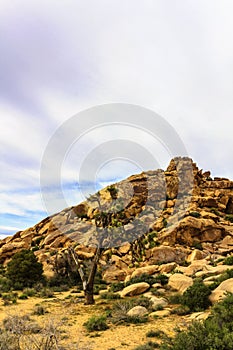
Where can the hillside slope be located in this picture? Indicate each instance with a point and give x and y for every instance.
(165, 215)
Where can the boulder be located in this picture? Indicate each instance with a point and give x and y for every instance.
(213, 270)
(221, 291)
(137, 311)
(166, 254)
(197, 265)
(167, 268)
(134, 289)
(158, 302)
(113, 274)
(149, 270)
(180, 282)
(196, 255)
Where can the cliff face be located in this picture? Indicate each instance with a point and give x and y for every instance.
(169, 213)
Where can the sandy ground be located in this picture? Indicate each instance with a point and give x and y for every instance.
(72, 313)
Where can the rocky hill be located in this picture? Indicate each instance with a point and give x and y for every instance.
(163, 220)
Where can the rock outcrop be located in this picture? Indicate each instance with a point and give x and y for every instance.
(178, 216)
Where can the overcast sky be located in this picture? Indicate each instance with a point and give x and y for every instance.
(58, 58)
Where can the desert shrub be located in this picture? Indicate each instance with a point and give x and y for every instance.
(5, 284)
(197, 245)
(215, 333)
(23, 296)
(30, 292)
(141, 301)
(181, 310)
(10, 298)
(46, 293)
(196, 297)
(148, 346)
(96, 323)
(161, 278)
(120, 310)
(175, 298)
(155, 334)
(195, 338)
(61, 288)
(215, 211)
(24, 270)
(229, 217)
(110, 296)
(223, 277)
(195, 214)
(116, 287)
(39, 310)
(20, 333)
(228, 260)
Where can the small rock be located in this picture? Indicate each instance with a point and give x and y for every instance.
(137, 311)
(160, 313)
(158, 302)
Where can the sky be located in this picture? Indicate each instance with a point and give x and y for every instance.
(59, 58)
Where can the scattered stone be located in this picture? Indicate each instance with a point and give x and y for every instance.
(135, 289)
(160, 313)
(158, 302)
(137, 311)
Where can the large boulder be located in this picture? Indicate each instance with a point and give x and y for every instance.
(166, 254)
(221, 291)
(180, 282)
(134, 289)
(114, 274)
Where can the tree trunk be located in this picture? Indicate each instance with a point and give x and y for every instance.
(89, 288)
(89, 295)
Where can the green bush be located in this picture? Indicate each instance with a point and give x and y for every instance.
(228, 260)
(196, 297)
(215, 333)
(110, 296)
(96, 323)
(23, 296)
(30, 292)
(161, 278)
(181, 310)
(46, 293)
(195, 214)
(5, 284)
(116, 287)
(223, 277)
(10, 298)
(120, 310)
(229, 217)
(155, 334)
(175, 298)
(148, 346)
(24, 270)
(197, 245)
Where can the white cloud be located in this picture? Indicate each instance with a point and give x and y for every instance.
(60, 58)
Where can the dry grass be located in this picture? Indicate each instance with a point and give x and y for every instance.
(69, 315)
